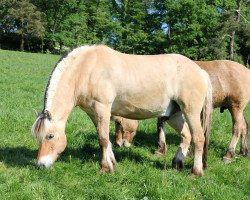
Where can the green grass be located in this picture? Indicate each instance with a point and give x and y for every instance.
(139, 174)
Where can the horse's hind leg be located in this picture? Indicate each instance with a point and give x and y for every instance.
(162, 146)
(102, 120)
(178, 123)
(198, 139)
(244, 140)
(239, 129)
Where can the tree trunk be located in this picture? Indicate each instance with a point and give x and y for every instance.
(22, 43)
(248, 58)
(231, 53)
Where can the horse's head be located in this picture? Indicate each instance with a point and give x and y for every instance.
(125, 131)
(125, 139)
(51, 137)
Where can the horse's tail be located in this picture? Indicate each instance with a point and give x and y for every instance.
(206, 119)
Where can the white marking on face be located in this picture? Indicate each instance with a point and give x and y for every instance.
(46, 161)
(126, 143)
(58, 71)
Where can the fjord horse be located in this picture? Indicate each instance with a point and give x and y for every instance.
(104, 82)
(124, 128)
(231, 90)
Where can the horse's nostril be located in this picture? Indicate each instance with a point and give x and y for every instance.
(38, 165)
(126, 143)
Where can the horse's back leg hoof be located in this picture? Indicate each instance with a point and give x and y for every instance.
(161, 151)
(244, 152)
(178, 160)
(197, 172)
(228, 157)
(177, 164)
(227, 160)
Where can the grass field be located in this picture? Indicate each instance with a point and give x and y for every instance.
(139, 174)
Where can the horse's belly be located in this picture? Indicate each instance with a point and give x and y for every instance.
(136, 111)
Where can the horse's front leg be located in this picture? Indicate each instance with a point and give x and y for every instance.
(102, 120)
(118, 130)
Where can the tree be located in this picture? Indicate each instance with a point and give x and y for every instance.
(27, 21)
(139, 26)
(66, 23)
(102, 27)
(190, 25)
(231, 52)
(233, 28)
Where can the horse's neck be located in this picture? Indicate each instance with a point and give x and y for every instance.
(61, 108)
(61, 100)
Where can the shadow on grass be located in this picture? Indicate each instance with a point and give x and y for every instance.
(17, 156)
(90, 152)
(220, 150)
(151, 139)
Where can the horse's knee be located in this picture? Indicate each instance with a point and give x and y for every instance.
(104, 142)
(185, 133)
(199, 140)
(239, 129)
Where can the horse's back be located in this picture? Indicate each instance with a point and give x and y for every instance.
(144, 84)
(230, 81)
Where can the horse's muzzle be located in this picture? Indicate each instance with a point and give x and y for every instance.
(44, 162)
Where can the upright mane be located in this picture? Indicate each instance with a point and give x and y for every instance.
(58, 70)
(43, 121)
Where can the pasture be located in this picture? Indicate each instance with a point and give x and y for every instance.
(75, 175)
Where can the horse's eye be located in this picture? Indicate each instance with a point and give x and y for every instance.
(50, 136)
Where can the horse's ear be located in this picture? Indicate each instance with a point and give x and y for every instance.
(48, 114)
(36, 113)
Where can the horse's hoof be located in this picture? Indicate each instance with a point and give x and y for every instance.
(161, 151)
(227, 160)
(197, 172)
(158, 153)
(178, 160)
(244, 151)
(106, 170)
(105, 167)
(177, 164)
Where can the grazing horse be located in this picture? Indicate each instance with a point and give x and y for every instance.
(105, 82)
(231, 90)
(124, 128)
